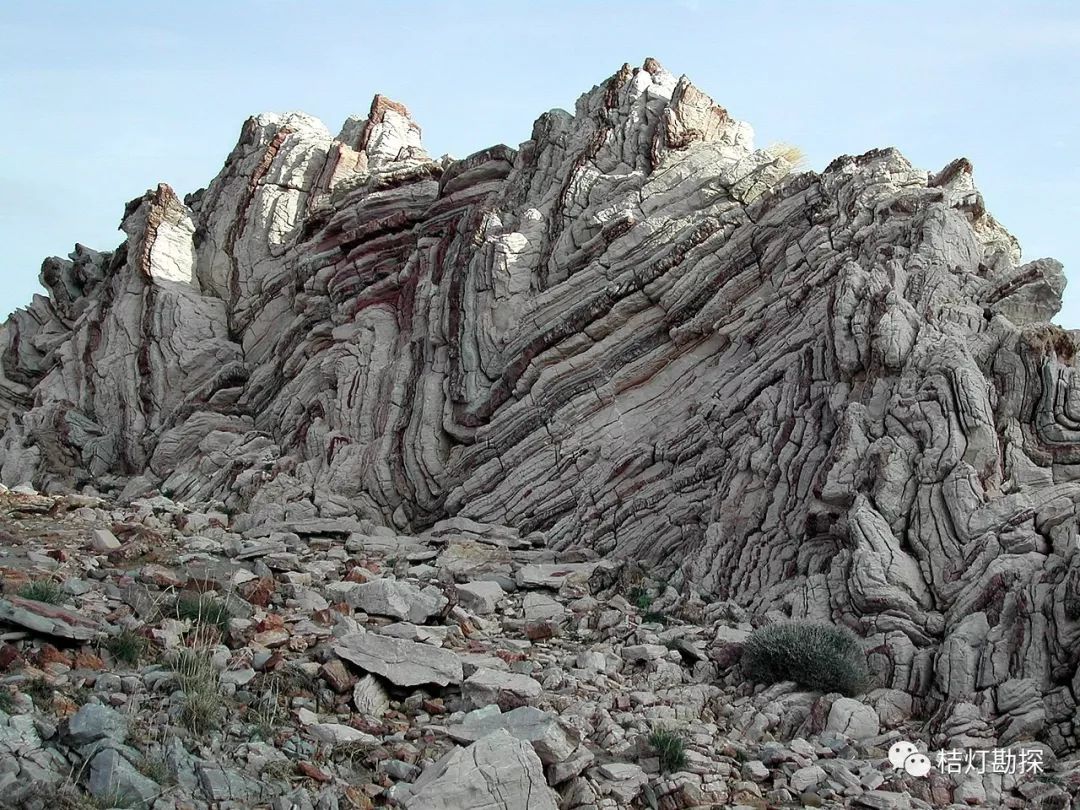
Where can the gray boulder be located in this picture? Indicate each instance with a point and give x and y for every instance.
(497, 772)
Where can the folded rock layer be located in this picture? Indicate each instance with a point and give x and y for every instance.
(834, 394)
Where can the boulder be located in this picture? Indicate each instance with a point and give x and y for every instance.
(508, 690)
(852, 719)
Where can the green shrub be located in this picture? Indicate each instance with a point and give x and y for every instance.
(42, 590)
(819, 656)
(670, 748)
(7, 702)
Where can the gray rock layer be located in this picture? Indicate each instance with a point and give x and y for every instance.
(834, 393)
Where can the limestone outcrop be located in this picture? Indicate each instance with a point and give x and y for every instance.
(830, 394)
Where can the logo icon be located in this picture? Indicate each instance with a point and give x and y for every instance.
(904, 754)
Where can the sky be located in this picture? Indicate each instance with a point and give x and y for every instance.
(103, 100)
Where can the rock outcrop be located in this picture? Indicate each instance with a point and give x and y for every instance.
(834, 395)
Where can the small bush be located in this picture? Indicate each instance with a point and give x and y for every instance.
(670, 748)
(7, 703)
(42, 590)
(127, 647)
(819, 656)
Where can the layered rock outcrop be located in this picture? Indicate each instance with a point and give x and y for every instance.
(831, 394)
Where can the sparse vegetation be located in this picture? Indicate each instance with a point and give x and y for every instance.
(278, 770)
(6, 701)
(40, 692)
(69, 796)
(193, 667)
(265, 714)
(202, 709)
(127, 647)
(819, 656)
(792, 154)
(155, 767)
(639, 597)
(200, 683)
(203, 610)
(42, 590)
(670, 748)
(112, 800)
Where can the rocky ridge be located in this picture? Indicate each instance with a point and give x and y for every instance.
(827, 395)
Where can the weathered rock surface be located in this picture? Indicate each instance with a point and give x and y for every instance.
(404, 663)
(132, 721)
(833, 394)
(552, 742)
(497, 772)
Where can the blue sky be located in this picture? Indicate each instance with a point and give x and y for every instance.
(102, 100)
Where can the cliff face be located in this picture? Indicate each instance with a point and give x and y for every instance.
(834, 394)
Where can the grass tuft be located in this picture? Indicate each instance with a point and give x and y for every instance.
(203, 610)
(202, 710)
(203, 706)
(670, 748)
(42, 590)
(819, 656)
(792, 154)
(127, 647)
(155, 768)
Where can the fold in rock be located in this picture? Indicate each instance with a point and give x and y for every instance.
(832, 394)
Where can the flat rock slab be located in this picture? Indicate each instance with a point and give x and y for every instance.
(554, 576)
(494, 773)
(50, 620)
(403, 663)
(540, 606)
(551, 741)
